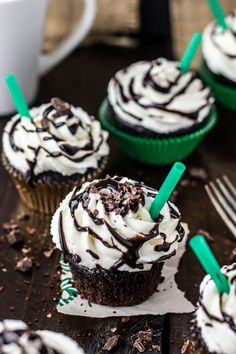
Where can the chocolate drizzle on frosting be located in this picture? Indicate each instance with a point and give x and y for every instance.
(122, 198)
(59, 138)
(156, 97)
(21, 340)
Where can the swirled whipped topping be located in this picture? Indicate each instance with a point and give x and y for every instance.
(216, 314)
(155, 96)
(16, 338)
(59, 138)
(219, 48)
(107, 224)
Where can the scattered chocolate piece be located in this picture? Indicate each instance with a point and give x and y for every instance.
(187, 347)
(156, 348)
(1, 289)
(145, 335)
(31, 230)
(12, 308)
(139, 345)
(111, 343)
(113, 329)
(26, 250)
(24, 265)
(49, 315)
(49, 252)
(15, 237)
(185, 182)
(197, 172)
(125, 319)
(9, 226)
(206, 235)
(233, 256)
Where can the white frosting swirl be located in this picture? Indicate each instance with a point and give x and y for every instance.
(157, 97)
(66, 143)
(216, 314)
(219, 48)
(107, 223)
(16, 338)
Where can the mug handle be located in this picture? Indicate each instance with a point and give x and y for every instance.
(47, 62)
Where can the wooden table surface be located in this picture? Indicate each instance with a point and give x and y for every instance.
(82, 80)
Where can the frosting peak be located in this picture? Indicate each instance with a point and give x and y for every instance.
(157, 97)
(59, 138)
(219, 48)
(107, 224)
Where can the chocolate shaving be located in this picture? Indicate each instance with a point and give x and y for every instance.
(13, 233)
(111, 343)
(62, 107)
(188, 347)
(24, 265)
(139, 345)
(206, 234)
(156, 348)
(145, 335)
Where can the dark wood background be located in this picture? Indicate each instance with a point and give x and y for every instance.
(82, 80)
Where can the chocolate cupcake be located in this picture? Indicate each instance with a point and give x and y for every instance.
(60, 147)
(16, 338)
(215, 317)
(115, 250)
(157, 113)
(218, 67)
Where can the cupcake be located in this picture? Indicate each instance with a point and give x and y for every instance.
(157, 113)
(46, 156)
(16, 338)
(114, 249)
(218, 66)
(215, 318)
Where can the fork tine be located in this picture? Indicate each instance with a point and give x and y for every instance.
(226, 193)
(230, 185)
(225, 205)
(220, 210)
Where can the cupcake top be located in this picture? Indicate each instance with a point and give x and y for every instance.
(219, 48)
(216, 314)
(16, 338)
(60, 138)
(156, 97)
(107, 224)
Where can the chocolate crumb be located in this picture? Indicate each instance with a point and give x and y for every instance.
(12, 308)
(145, 335)
(156, 348)
(139, 345)
(125, 319)
(233, 256)
(113, 329)
(49, 315)
(49, 252)
(14, 237)
(111, 343)
(206, 234)
(22, 217)
(24, 265)
(62, 107)
(187, 347)
(1, 289)
(31, 230)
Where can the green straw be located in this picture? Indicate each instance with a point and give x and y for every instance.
(209, 263)
(166, 189)
(17, 96)
(218, 13)
(190, 52)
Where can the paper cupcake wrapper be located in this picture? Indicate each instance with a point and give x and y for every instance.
(225, 95)
(168, 299)
(45, 197)
(156, 151)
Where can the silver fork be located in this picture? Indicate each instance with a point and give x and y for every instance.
(223, 196)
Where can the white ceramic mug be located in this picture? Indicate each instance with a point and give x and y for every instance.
(21, 33)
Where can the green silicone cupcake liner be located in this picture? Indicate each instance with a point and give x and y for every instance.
(156, 151)
(225, 95)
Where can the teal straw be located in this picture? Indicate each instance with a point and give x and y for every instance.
(209, 262)
(166, 189)
(190, 52)
(218, 13)
(17, 96)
